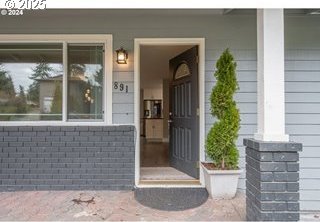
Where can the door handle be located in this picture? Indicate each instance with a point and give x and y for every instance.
(170, 121)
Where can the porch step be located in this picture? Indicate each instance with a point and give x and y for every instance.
(193, 182)
(171, 199)
(163, 173)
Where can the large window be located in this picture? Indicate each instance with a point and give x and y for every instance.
(51, 82)
(30, 82)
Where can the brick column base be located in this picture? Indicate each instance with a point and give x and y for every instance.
(272, 180)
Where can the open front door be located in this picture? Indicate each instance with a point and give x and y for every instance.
(184, 119)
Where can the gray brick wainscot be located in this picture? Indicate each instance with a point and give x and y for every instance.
(66, 157)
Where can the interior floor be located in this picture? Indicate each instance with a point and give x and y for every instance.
(154, 157)
(154, 154)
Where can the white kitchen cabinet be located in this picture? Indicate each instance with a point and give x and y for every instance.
(154, 128)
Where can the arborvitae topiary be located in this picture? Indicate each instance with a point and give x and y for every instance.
(221, 139)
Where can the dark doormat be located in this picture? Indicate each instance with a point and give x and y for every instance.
(171, 199)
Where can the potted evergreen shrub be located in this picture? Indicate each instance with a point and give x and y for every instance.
(222, 174)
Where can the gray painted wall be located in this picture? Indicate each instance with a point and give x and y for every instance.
(238, 32)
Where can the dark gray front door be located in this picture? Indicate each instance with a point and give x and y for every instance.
(184, 120)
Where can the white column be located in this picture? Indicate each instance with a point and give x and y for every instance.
(271, 104)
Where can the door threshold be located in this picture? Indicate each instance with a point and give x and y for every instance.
(170, 183)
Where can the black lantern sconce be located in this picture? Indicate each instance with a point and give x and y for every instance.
(122, 56)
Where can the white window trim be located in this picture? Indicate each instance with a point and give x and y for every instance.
(106, 39)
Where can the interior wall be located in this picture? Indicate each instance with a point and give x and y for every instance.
(152, 92)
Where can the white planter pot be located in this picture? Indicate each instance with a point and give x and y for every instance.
(221, 184)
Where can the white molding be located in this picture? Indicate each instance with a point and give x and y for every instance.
(202, 106)
(108, 61)
(65, 83)
(43, 38)
(58, 123)
(169, 41)
(106, 39)
(137, 109)
(271, 137)
(270, 79)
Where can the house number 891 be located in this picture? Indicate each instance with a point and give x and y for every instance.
(120, 86)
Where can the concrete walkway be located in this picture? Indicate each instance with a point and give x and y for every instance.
(106, 205)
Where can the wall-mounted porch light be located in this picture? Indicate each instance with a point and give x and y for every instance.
(122, 56)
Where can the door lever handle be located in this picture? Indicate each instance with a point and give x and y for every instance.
(170, 121)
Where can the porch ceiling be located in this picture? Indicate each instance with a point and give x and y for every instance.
(123, 12)
(144, 12)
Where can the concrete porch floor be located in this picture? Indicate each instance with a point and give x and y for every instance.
(107, 205)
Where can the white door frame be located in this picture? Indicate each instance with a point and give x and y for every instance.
(169, 41)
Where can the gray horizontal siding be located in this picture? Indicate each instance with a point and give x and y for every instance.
(303, 119)
(297, 129)
(298, 65)
(187, 27)
(123, 118)
(309, 162)
(123, 102)
(303, 108)
(216, 41)
(242, 65)
(302, 54)
(311, 195)
(303, 87)
(311, 152)
(240, 55)
(123, 98)
(303, 97)
(246, 75)
(310, 173)
(245, 129)
(244, 87)
(123, 76)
